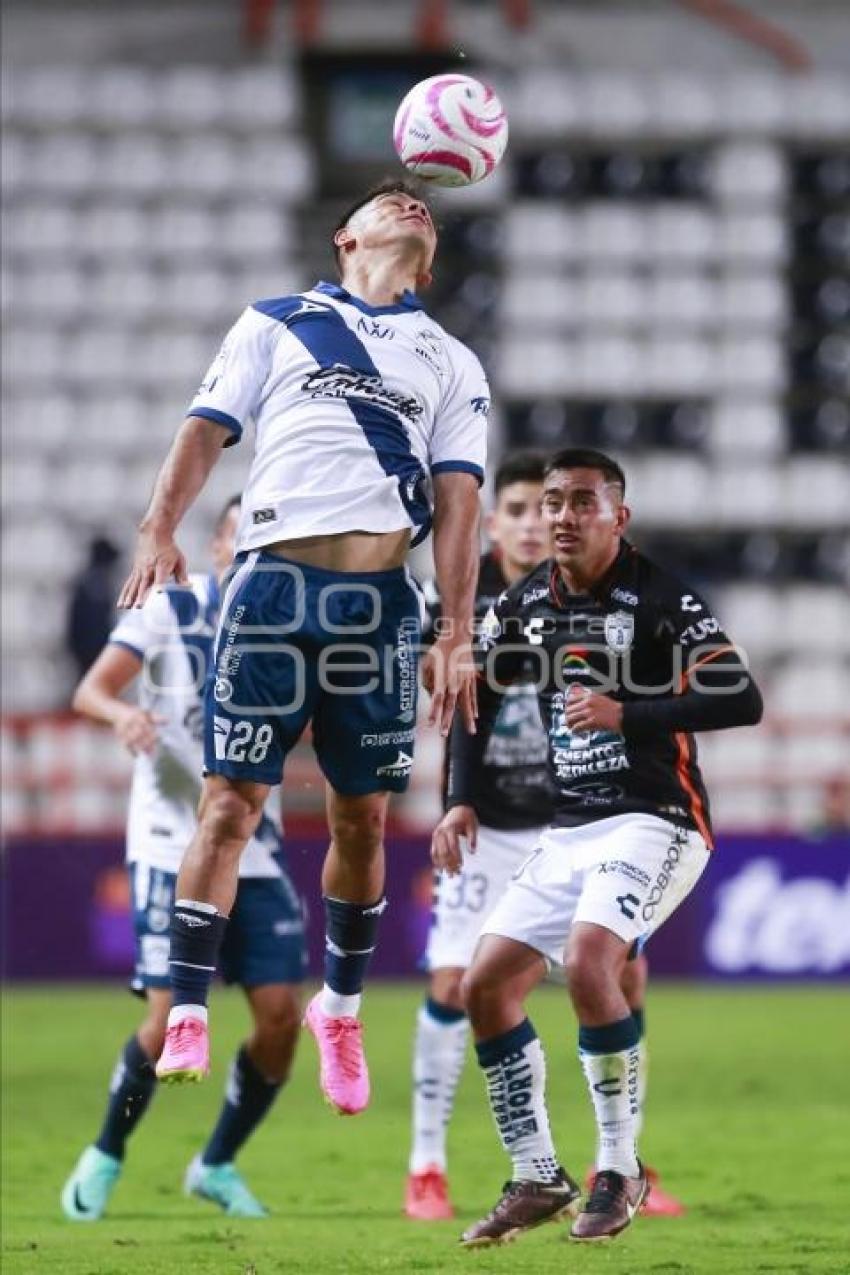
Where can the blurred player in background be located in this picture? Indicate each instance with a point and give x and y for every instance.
(514, 801)
(628, 663)
(169, 644)
(360, 402)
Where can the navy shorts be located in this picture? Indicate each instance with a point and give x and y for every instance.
(298, 644)
(263, 942)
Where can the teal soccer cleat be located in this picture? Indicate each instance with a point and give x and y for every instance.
(86, 1193)
(222, 1184)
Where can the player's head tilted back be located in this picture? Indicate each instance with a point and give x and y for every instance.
(583, 505)
(223, 543)
(391, 222)
(515, 522)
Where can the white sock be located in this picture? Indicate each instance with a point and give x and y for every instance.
(612, 1080)
(181, 1012)
(439, 1052)
(515, 1070)
(335, 1005)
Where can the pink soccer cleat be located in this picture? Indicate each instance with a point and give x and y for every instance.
(185, 1056)
(343, 1074)
(426, 1198)
(660, 1203)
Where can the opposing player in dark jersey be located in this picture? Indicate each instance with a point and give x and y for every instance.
(513, 798)
(629, 664)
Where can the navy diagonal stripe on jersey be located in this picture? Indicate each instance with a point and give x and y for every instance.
(327, 337)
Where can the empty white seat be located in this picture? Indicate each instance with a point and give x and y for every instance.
(812, 690)
(63, 163)
(57, 294)
(95, 356)
(743, 755)
(739, 426)
(754, 103)
(610, 364)
(748, 493)
(252, 281)
(680, 232)
(818, 105)
(176, 357)
(245, 232)
(749, 173)
(15, 154)
(744, 808)
(612, 298)
(544, 102)
(192, 97)
(31, 355)
(747, 363)
(817, 617)
(114, 230)
(197, 292)
(813, 755)
(684, 299)
(539, 300)
(615, 104)
(675, 490)
(542, 366)
(35, 229)
(818, 491)
(281, 168)
(48, 96)
(673, 364)
(133, 164)
(261, 97)
(613, 231)
(122, 97)
(39, 421)
(543, 231)
(752, 300)
(112, 427)
(203, 164)
(757, 236)
(752, 616)
(681, 105)
(123, 291)
(183, 232)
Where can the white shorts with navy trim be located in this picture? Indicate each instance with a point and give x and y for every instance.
(627, 874)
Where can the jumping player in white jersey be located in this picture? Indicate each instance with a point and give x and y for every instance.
(168, 645)
(514, 800)
(370, 424)
(629, 663)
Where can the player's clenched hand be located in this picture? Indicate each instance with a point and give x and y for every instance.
(585, 711)
(157, 560)
(461, 822)
(137, 729)
(448, 674)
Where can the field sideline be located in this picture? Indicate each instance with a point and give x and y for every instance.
(748, 1120)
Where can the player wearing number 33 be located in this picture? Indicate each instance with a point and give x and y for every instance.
(628, 664)
(370, 425)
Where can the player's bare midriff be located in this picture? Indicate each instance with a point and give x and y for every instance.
(353, 551)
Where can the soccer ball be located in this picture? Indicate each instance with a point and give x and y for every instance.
(450, 130)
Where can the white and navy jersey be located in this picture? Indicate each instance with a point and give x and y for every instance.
(355, 407)
(173, 637)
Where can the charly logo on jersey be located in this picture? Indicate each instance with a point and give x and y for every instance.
(223, 690)
(619, 631)
(340, 381)
(625, 595)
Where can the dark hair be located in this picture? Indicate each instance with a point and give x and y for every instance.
(519, 467)
(235, 502)
(587, 458)
(389, 186)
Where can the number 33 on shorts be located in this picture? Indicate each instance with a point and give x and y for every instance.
(241, 740)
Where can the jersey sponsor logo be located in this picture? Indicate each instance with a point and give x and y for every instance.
(534, 595)
(699, 630)
(490, 630)
(429, 347)
(623, 869)
(387, 737)
(260, 516)
(624, 595)
(574, 663)
(619, 631)
(398, 769)
(341, 382)
(193, 922)
(629, 903)
(231, 657)
(480, 405)
(662, 882)
(690, 603)
(153, 953)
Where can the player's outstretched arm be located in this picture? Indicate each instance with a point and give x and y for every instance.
(98, 696)
(448, 670)
(157, 559)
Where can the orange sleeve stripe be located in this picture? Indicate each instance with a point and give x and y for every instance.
(697, 808)
(706, 659)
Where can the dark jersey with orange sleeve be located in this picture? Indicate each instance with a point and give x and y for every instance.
(645, 640)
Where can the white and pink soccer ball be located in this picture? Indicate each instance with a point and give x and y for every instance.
(450, 130)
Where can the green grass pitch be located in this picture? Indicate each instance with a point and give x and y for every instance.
(748, 1120)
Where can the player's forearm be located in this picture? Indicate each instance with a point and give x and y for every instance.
(719, 708)
(466, 752)
(99, 702)
(185, 470)
(456, 550)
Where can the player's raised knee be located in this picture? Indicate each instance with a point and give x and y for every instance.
(228, 813)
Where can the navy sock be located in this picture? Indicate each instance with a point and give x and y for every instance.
(443, 1013)
(639, 1015)
(248, 1097)
(351, 932)
(130, 1091)
(196, 936)
(613, 1038)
